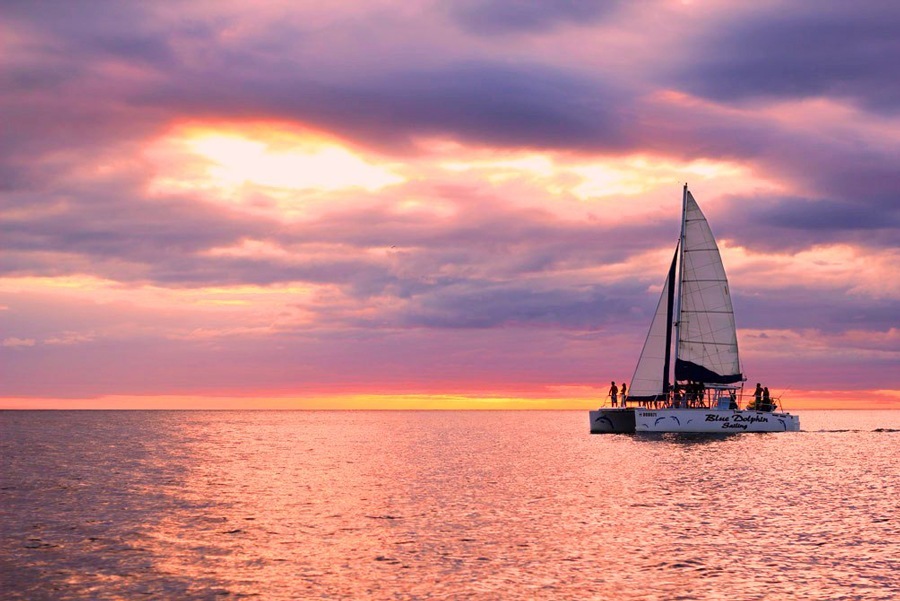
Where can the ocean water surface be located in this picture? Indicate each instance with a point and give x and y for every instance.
(442, 505)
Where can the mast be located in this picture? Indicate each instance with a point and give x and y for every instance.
(670, 298)
(680, 275)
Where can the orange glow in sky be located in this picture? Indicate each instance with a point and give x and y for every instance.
(382, 206)
(264, 168)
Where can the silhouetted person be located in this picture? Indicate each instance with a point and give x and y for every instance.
(766, 400)
(614, 394)
(757, 396)
(624, 392)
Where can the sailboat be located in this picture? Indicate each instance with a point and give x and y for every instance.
(703, 392)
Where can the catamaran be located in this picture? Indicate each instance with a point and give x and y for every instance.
(705, 393)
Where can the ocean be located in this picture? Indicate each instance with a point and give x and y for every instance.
(442, 505)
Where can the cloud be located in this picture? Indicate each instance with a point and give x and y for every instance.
(838, 49)
(110, 229)
(805, 307)
(487, 17)
(481, 101)
(526, 216)
(790, 224)
(104, 93)
(476, 304)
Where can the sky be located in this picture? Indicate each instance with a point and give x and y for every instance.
(424, 204)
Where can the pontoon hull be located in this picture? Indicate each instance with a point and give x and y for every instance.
(714, 421)
(612, 421)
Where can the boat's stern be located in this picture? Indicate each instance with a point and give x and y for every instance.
(612, 421)
(791, 422)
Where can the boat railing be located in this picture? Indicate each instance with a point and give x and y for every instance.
(709, 396)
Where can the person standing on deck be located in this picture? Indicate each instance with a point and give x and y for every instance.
(757, 396)
(624, 392)
(614, 394)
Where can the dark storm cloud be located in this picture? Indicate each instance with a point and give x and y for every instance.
(831, 48)
(492, 17)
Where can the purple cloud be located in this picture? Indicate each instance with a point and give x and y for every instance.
(486, 17)
(841, 49)
(778, 224)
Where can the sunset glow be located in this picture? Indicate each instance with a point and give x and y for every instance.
(260, 168)
(426, 206)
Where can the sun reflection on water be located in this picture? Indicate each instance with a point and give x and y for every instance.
(287, 505)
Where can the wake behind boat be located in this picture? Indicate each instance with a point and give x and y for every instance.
(705, 393)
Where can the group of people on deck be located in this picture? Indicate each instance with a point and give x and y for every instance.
(614, 393)
(687, 395)
(762, 401)
(691, 395)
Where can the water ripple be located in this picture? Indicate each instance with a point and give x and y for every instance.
(429, 505)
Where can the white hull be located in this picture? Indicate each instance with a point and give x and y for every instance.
(714, 421)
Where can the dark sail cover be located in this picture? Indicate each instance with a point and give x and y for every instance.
(686, 370)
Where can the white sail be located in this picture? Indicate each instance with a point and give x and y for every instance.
(707, 348)
(651, 376)
(647, 380)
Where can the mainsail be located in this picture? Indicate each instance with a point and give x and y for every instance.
(706, 347)
(707, 341)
